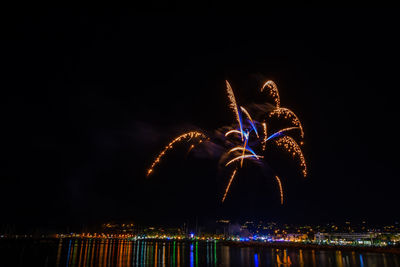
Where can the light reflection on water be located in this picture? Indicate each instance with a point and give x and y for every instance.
(116, 252)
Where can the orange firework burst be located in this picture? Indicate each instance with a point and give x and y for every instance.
(245, 130)
(188, 135)
(273, 91)
(250, 144)
(288, 115)
(292, 147)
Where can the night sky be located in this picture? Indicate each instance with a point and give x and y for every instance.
(90, 97)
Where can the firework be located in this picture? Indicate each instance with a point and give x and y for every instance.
(229, 185)
(186, 136)
(233, 131)
(273, 91)
(194, 145)
(243, 149)
(287, 142)
(280, 132)
(289, 115)
(292, 147)
(280, 188)
(240, 149)
(250, 120)
(264, 142)
(233, 105)
(243, 157)
(190, 149)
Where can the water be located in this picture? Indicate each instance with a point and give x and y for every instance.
(114, 252)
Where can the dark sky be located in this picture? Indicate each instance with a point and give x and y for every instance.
(89, 97)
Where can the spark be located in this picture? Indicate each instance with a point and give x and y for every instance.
(279, 133)
(264, 143)
(273, 91)
(190, 148)
(292, 147)
(229, 185)
(288, 114)
(233, 105)
(251, 120)
(194, 145)
(188, 135)
(246, 135)
(233, 131)
(243, 156)
(280, 188)
(243, 149)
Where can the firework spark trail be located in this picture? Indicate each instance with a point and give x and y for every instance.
(251, 120)
(188, 135)
(233, 105)
(245, 156)
(264, 142)
(280, 188)
(190, 149)
(229, 185)
(273, 91)
(233, 131)
(246, 135)
(243, 149)
(253, 127)
(288, 114)
(292, 147)
(280, 132)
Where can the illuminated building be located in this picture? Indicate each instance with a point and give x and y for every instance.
(346, 238)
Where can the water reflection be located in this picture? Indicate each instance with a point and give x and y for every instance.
(256, 260)
(119, 253)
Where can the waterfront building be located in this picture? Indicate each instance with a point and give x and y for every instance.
(346, 238)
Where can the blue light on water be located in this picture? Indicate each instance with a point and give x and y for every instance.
(361, 261)
(256, 260)
(69, 249)
(191, 256)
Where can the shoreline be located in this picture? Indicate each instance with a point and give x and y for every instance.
(292, 245)
(253, 244)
